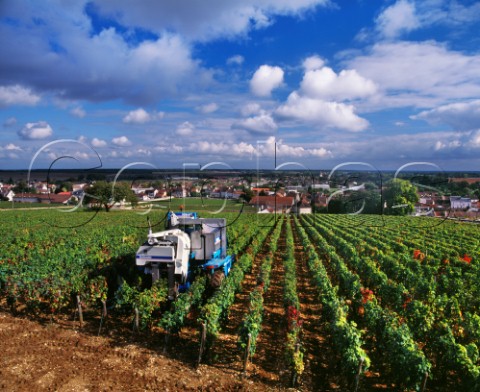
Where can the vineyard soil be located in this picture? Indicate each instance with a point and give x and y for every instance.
(39, 356)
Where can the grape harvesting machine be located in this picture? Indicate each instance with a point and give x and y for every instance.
(190, 245)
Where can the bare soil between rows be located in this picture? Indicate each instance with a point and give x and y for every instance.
(58, 356)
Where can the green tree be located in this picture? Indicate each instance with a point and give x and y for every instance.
(22, 187)
(400, 197)
(247, 194)
(64, 186)
(104, 194)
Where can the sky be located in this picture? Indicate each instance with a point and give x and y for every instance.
(240, 84)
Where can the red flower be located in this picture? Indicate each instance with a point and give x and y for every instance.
(466, 258)
(418, 255)
(293, 317)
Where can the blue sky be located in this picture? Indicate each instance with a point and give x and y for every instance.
(167, 83)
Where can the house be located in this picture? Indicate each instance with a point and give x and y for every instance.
(323, 186)
(7, 193)
(47, 198)
(216, 193)
(460, 203)
(179, 192)
(161, 193)
(320, 200)
(425, 204)
(78, 187)
(294, 194)
(140, 190)
(258, 190)
(294, 188)
(42, 187)
(271, 204)
(303, 207)
(142, 196)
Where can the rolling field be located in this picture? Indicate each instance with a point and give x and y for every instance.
(318, 302)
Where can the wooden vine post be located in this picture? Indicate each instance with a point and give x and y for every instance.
(80, 311)
(357, 378)
(247, 353)
(136, 322)
(167, 341)
(104, 316)
(424, 384)
(203, 341)
(294, 374)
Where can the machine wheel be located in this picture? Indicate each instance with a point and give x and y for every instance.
(217, 279)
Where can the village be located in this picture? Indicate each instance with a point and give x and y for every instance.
(263, 194)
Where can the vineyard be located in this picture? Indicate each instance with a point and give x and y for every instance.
(317, 302)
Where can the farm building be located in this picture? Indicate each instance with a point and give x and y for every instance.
(460, 203)
(47, 198)
(271, 204)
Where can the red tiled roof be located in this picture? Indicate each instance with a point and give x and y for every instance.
(469, 180)
(46, 197)
(272, 201)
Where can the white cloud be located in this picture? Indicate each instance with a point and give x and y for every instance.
(138, 116)
(212, 148)
(17, 95)
(405, 16)
(419, 74)
(98, 142)
(397, 19)
(141, 116)
(324, 83)
(204, 147)
(262, 123)
(461, 115)
(80, 155)
(320, 152)
(234, 150)
(250, 109)
(150, 70)
(474, 140)
(78, 112)
(12, 147)
(447, 12)
(321, 113)
(66, 44)
(202, 22)
(439, 145)
(185, 129)
(144, 152)
(273, 146)
(320, 100)
(265, 79)
(312, 63)
(235, 60)
(461, 143)
(120, 154)
(35, 131)
(208, 108)
(121, 141)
